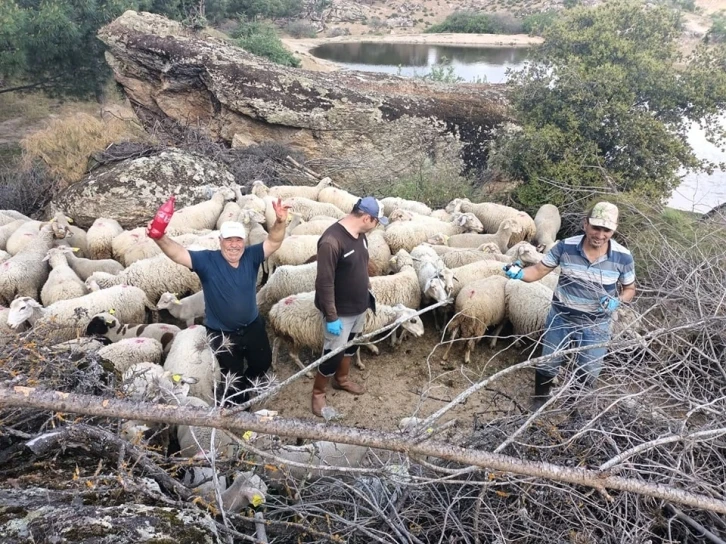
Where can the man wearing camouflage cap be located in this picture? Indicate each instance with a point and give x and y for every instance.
(597, 275)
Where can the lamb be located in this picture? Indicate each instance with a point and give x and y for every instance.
(524, 252)
(339, 198)
(464, 275)
(379, 254)
(391, 203)
(294, 250)
(296, 321)
(435, 280)
(290, 191)
(309, 208)
(502, 237)
(7, 230)
(457, 257)
(229, 213)
(527, 306)
(192, 357)
(6, 330)
(287, 280)
(26, 235)
(478, 306)
(144, 248)
(72, 235)
(491, 215)
(401, 287)
(200, 216)
(62, 283)
(25, 273)
(69, 318)
(187, 309)
(193, 242)
(86, 267)
(547, 222)
(100, 237)
(314, 226)
(195, 441)
(130, 351)
(155, 276)
(124, 241)
(253, 221)
(408, 234)
(294, 221)
(105, 324)
(149, 382)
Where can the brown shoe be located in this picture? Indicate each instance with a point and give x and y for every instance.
(342, 380)
(318, 400)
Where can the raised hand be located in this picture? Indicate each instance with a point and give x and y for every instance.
(281, 211)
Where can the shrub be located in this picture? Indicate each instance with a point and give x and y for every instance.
(301, 29)
(717, 32)
(262, 39)
(536, 23)
(27, 187)
(68, 141)
(478, 23)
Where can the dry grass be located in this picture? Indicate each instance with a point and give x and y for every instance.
(68, 141)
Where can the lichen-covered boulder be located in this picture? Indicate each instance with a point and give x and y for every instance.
(132, 190)
(46, 515)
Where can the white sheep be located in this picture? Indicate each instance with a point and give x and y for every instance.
(197, 241)
(285, 281)
(187, 309)
(491, 215)
(192, 357)
(296, 321)
(400, 214)
(129, 351)
(478, 306)
(74, 236)
(379, 254)
(8, 216)
(107, 325)
(24, 274)
(200, 216)
(289, 191)
(229, 213)
(547, 222)
(507, 229)
(155, 276)
(294, 250)
(6, 331)
(4, 256)
(470, 273)
(524, 252)
(62, 283)
(408, 234)
(197, 441)
(69, 318)
(125, 240)
(314, 226)
(310, 208)
(86, 267)
(435, 279)
(100, 236)
(7, 230)
(145, 248)
(253, 222)
(149, 382)
(457, 257)
(391, 203)
(402, 287)
(527, 307)
(339, 198)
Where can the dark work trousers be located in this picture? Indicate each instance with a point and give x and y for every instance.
(245, 352)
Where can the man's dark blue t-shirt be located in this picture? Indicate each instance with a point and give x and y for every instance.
(229, 293)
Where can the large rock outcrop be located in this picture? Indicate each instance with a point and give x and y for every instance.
(353, 125)
(131, 191)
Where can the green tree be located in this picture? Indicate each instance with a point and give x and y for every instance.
(52, 44)
(607, 102)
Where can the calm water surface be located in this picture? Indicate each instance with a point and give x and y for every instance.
(697, 192)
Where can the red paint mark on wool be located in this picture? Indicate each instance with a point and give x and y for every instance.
(289, 300)
(472, 293)
(141, 340)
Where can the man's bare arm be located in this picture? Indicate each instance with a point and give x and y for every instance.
(174, 250)
(274, 238)
(627, 292)
(536, 272)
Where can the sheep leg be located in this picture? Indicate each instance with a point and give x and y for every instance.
(469, 348)
(358, 363)
(454, 333)
(495, 336)
(372, 348)
(275, 351)
(296, 357)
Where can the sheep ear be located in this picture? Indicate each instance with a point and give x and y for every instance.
(462, 220)
(47, 257)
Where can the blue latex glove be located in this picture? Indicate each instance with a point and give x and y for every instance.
(514, 271)
(334, 327)
(609, 304)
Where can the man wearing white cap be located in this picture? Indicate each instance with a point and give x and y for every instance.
(229, 280)
(597, 275)
(342, 293)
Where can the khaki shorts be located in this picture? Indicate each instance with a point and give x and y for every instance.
(351, 325)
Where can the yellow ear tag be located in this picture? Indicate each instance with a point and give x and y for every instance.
(257, 500)
(112, 311)
(176, 378)
(247, 436)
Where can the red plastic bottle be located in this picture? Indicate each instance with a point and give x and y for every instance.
(161, 219)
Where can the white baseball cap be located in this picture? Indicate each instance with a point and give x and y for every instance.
(232, 229)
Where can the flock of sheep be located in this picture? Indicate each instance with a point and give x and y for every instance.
(99, 289)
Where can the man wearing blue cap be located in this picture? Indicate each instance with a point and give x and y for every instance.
(342, 293)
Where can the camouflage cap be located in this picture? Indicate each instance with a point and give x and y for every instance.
(604, 214)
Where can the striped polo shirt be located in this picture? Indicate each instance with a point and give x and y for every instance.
(583, 283)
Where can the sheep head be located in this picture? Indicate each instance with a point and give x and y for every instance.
(409, 320)
(23, 309)
(166, 300)
(468, 222)
(435, 288)
(399, 214)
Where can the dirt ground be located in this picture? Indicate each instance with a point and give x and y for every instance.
(412, 380)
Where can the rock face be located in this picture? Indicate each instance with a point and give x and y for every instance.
(355, 126)
(132, 190)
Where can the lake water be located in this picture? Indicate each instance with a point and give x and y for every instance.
(697, 192)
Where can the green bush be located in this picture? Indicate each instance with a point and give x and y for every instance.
(262, 39)
(717, 32)
(536, 23)
(301, 29)
(469, 22)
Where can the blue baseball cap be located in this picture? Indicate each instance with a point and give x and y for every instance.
(372, 207)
